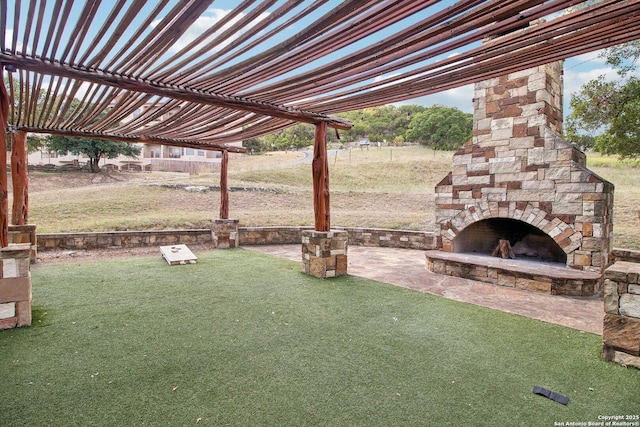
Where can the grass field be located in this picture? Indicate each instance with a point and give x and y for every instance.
(388, 188)
(245, 339)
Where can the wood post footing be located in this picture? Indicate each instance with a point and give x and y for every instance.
(324, 253)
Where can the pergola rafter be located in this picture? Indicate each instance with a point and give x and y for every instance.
(248, 75)
(88, 68)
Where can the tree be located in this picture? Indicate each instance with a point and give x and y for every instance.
(34, 142)
(440, 127)
(610, 110)
(298, 136)
(379, 124)
(387, 122)
(95, 149)
(253, 145)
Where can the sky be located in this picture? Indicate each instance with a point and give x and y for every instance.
(577, 71)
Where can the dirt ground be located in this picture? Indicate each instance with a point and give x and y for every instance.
(57, 256)
(52, 181)
(288, 206)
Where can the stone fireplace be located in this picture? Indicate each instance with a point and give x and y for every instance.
(517, 180)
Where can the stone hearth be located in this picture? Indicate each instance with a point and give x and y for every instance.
(518, 180)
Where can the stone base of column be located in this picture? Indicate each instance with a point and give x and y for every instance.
(15, 286)
(224, 233)
(324, 253)
(25, 234)
(621, 324)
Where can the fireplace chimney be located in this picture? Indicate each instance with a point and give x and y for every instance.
(517, 179)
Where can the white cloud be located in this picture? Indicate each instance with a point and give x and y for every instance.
(204, 23)
(83, 89)
(460, 98)
(592, 57)
(385, 77)
(574, 79)
(8, 39)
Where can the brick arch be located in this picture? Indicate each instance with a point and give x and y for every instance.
(567, 238)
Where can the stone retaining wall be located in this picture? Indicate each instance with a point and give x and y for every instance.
(626, 255)
(379, 237)
(250, 236)
(247, 236)
(121, 239)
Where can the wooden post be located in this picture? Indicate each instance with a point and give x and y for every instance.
(20, 178)
(4, 192)
(224, 189)
(320, 169)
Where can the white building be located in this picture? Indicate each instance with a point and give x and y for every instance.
(153, 157)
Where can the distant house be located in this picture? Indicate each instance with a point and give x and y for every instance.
(153, 157)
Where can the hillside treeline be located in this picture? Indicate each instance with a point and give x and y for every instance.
(438, 127)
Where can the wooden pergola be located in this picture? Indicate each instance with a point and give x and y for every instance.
(78, 68)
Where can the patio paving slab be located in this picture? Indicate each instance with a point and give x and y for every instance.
(406, 268)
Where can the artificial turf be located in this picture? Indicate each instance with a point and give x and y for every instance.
(245, 339)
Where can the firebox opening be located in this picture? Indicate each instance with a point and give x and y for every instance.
(527, 241)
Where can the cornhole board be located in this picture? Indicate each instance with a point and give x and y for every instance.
(178, 255)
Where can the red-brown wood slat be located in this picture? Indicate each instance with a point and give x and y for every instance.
(19, 178)
(172, 92)
(269, 100)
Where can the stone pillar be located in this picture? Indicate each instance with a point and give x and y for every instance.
(224, 233)
(15, 286)
(25, 234)
(324, 253)
(621, 329)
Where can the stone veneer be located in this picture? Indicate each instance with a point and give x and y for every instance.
(247, 236)
(324, 253)
(224, 233)
(15, 286)
(517, 167)
(15, 276)
(547, 278)
(25, 234)
(621, 329)
(121, 239)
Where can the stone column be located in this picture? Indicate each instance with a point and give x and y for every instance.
(324, 253)
(621, 328)
(224, 233)
(25, 234)
(15, 286)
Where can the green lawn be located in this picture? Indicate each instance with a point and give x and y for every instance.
(245, 339)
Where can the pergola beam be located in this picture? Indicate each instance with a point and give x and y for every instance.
(146, 139)
(169, 90)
